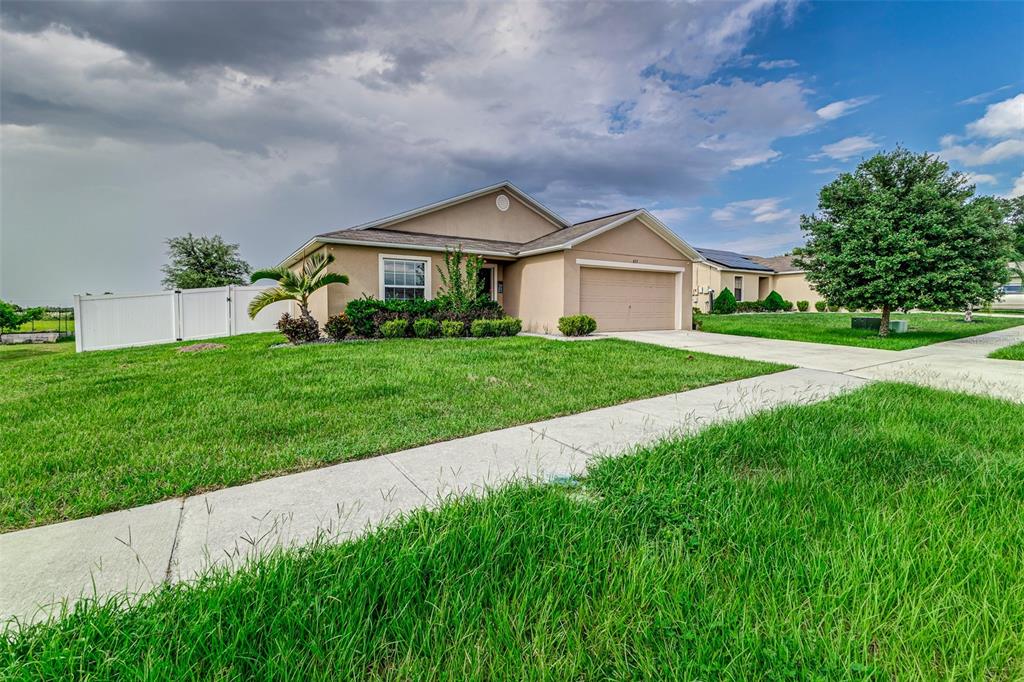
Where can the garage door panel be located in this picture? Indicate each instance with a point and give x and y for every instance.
(628, 300)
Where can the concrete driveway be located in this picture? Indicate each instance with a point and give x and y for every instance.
(959, 365)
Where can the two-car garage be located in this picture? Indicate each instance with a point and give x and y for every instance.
(627, 297)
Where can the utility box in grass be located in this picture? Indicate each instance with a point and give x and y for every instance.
(895, 326)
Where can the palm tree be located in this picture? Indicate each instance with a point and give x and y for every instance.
(296, 286)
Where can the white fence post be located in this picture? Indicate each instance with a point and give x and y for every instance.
(232, 326)
(78, 330)
(176, 311)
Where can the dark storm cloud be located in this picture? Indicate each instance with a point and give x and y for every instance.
(407, 65)
(609, 168)
(186, 42)
(268, 122)
(262, 37)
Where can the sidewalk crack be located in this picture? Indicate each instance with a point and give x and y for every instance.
(562, 443)
(407, 476)
(887, 362)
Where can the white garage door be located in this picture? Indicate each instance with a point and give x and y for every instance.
(628, 300)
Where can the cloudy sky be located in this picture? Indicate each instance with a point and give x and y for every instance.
(126, 123)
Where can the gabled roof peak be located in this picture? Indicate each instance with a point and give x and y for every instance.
(556, 220)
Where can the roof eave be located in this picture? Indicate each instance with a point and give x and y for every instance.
(645, 217)
(720, 267)
(302, 252)
(651, 221)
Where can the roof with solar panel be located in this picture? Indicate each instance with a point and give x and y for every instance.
(732, 260)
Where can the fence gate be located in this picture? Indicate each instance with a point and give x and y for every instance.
(119, 320)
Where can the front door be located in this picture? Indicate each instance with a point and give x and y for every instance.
(486, 275)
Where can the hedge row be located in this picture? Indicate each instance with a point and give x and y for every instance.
(367, 315)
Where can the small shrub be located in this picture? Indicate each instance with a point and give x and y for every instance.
(482, 328)
(298, 329)
(338, 327)
(725, 303)
(697, 311)
(394, 329)
(360, 312)
(802, 306)
(426, 328)
(577, 325)
(833, 308)
(453, 328)
(774, 302)
(819, 306)
(750, 306)
(786, 305)
(509, 326)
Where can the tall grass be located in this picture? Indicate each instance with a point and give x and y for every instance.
(879, 535)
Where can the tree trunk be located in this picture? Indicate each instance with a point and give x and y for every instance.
(969, 313)
(304, 311)
(883, 327)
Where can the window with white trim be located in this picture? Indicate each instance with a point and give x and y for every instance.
(404, 279)
(737, 288)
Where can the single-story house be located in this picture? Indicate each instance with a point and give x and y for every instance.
(627, 270)
(751, 278)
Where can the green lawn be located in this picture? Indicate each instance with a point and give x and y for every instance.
(49, 325)
(1014, 352)
(834, 328)
(875, 536)
(22, 351)
(88, 433)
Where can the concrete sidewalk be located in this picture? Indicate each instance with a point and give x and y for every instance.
(136, 550)
(958, 365)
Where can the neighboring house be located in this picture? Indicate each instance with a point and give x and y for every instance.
(751, 278)
(627, 270)
(1012, 296)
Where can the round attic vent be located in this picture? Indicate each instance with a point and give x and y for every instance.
(502, 202)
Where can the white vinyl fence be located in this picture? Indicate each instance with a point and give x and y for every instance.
(119, 320)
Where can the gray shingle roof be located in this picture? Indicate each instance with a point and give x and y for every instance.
(730, 259)
(567, 234)
(777, 263)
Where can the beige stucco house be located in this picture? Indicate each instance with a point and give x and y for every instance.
(751, 278)
(627, 270)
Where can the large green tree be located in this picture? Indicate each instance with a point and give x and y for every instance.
(902, 231)
(198, 262)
